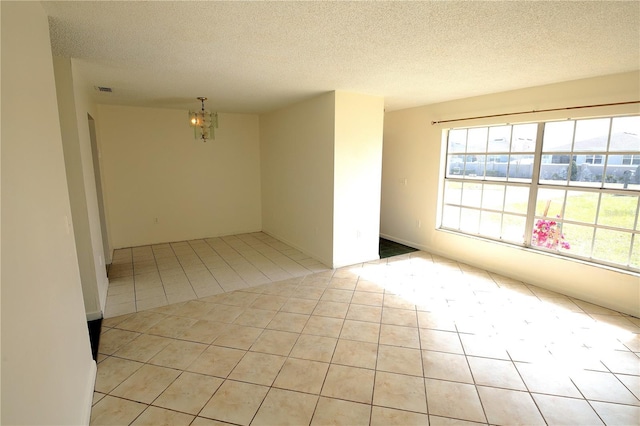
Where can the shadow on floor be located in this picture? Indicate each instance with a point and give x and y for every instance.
(389, 248)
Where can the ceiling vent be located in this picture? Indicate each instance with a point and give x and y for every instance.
(104, 89)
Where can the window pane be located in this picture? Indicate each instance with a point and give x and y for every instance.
(452, 192)
(550, 202)
(474, 166)
(496, 167)
(493, 197)
(578, 238)
(513, 228)
(521, 167)
(477, 140)
(635, 254)
(625, 134)
(455, 165)
(554, 169)
(581, 206)
(592, 135)
(524, 137)
(517, 199)
(457, 140)
(612, 246)
(618, 210)
(490, 224)
(471, 194)
(586, 170)
(499, 139)
(621, 176)
(558, 136)
(451, 217)
(469, 220)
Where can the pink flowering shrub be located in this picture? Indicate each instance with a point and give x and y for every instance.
(547, 234)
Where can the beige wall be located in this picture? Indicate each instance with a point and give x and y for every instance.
(82, 190)
(412, 151)
(297, 175)
(47, 370)
(357, 177)
(153, 168)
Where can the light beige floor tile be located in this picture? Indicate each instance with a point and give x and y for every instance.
(547, 378)
(350, 383)
(442, 321)
(455, 400)
(396, 316)
(315, 348)
(283, 407)
(222, 313)
(300, 305)
(113, 339)
(511, 407)
(383, 416)
(146, 384)
(188, 393)
(617, 414)
(141, 322)
(194, 309)
(622, 362)
(238, 336)
(178, 354)
(269, 302)
(483, 346)
(396, 301)
(395, 359)
(275, 342)
(631, 382)
(258, 368)
(113, 371)
(446, 366)
(603, 387)
(171, 326)
(446, 421)
(395, 335)
(323, 326)
(331, 309)
(203, 331)
(255, 317)
(442, 341)
(336, 295)
(154, 416)
(361, 331)
(337, 412)
(558, 410)
(367, 298)
(302, 375)
(97, 396)
(369, 286)
(400, 392)
(202, 421)
(355, 354)
(364, 313)
(143, 348)
(496, 373)
(217, 361)
(235, 402)
(115, 411)
(287, 321)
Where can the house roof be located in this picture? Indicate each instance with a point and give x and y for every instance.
(257, 56)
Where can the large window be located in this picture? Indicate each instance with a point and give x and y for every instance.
(571, 187)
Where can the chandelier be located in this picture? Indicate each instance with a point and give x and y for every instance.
(206, 121)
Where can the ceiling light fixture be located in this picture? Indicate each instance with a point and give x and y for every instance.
(206, 121)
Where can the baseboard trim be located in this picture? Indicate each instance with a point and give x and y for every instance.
(91, 384)
(92, 316)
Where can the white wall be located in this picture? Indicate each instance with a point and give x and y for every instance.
(297, 145)
(153, 168)
(357, 178)
(47, 370)
(82, 191)
(412, 151)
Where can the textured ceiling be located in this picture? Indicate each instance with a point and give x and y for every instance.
(257, 56)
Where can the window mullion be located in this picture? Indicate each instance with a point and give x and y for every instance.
(533, 192)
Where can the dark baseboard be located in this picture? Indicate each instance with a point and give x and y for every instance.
(94, 336)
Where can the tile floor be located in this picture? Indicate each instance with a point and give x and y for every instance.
(148, 277)
(413, 339)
